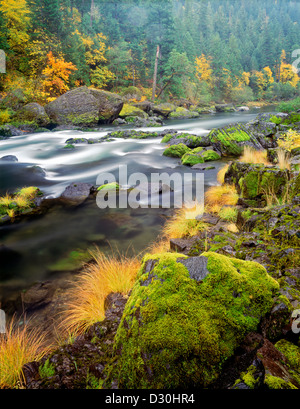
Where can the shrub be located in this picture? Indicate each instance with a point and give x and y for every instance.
(290, 141)
(290, 106)
(221, 196)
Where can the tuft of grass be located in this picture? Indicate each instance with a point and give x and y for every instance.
(221, 174)
(28, 193)
(22, 202)
(251, 155)
(114, 273)
(228, 214)
(184, 222)
(219, 196)
(19, 346)
(283, 159)
(6, 200)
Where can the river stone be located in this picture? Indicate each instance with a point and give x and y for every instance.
(197, 267)
(85, 106)
(76, 193)
(9, 158)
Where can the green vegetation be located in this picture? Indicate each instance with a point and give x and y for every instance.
(47, 370)
(176, 151)
(176, 327)
(18, 203)
(290, 106)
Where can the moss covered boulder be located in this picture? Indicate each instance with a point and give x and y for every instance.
(176, 151)
(231, 140)
(84, 107)
(33, 112)
(164, 109)
(186, 316)
(183, 113)
(256, 181)
(132, 111)
(199, 155)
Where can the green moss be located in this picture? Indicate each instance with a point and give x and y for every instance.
(248, 377)
(69, 146)
(167, 138)
(210, 155)
(229, 138)
(191, 159)
(177, 333)
(250, 185)
(277, 383)
(291, 352)
(109, 186)
(176, 151)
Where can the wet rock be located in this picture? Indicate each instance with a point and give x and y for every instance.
(76, 194)
(9, 158)
(33, 112)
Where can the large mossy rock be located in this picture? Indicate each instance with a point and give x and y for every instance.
(256, 181)
(199, 155)
(183, 113)
(33, 112)
(191, 141)
(85, 106)
(231, 140)
(164, 109)
(186, 316)
(132, 111)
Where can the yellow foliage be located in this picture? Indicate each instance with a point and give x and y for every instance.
(17, 19)
(291, 140)
(203, 68)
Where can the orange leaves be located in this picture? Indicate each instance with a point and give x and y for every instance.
(57, 75)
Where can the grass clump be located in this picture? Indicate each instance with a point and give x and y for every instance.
(219, 196)
(229, 214)
(183, 223)
(19, 346)
(251, 155)
(114, 273)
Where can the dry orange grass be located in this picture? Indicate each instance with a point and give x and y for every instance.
(252, 155)
(283, 159)
(18, 347)
(183, 223)
(114, 273)
(218, 196)
(221, 174)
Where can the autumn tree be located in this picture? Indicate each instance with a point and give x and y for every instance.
(56, 76)
(203, 69)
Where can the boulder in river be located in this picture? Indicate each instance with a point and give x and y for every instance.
(85, 106)
(76, 194)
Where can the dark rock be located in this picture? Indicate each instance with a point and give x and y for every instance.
(197, 267)
(9, 158)
(38, 295)
(208, 218)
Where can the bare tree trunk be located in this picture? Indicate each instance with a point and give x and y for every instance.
(155, 74)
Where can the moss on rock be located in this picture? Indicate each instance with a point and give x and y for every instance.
(176, 151)
(178, 332)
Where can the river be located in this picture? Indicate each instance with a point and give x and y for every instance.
(40, 243)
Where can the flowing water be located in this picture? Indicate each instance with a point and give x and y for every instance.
(38, 244)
